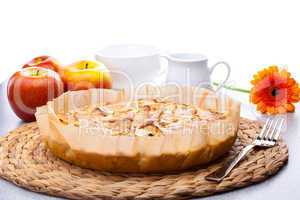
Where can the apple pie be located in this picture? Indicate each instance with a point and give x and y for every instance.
(108, 131)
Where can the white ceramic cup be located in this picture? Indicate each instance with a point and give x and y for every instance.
(192, 69)
(132, 64)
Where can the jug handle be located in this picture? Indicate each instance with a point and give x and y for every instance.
(227, 75)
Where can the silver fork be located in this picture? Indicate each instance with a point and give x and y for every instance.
(267, 138)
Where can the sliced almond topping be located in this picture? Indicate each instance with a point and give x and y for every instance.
(63, 118)
(141, 118)
(141, 132)
(152, 130)
(147, 108)
(110, 119)
(175, 126)
(130, 115)
(105, 111)
(77, 123)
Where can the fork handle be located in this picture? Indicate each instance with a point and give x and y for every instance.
(222, 172)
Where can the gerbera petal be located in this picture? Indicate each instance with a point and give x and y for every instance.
(272, 110)
(290, 107)
(281, 109)
(285, 73)
(273, 69)
(261, 107)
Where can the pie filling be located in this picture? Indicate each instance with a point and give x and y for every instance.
(144, 117)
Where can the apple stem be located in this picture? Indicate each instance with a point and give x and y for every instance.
(37, 72)
(86, 65)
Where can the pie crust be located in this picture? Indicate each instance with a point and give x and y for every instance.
(196, 141)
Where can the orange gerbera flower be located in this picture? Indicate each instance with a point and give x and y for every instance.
(274, 91)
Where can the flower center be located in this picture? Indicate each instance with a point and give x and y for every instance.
(275, 92)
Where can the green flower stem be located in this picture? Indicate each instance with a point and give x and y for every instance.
(233, 88)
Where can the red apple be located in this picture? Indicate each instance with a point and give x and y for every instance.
(86, 74)
(30, 88)
(44, 62)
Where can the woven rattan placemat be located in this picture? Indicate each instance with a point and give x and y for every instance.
(25, 161)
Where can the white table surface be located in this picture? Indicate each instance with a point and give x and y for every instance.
(281, 186)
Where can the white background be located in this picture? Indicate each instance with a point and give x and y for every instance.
(247, 34)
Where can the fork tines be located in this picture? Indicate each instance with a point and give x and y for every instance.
(271, 130)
